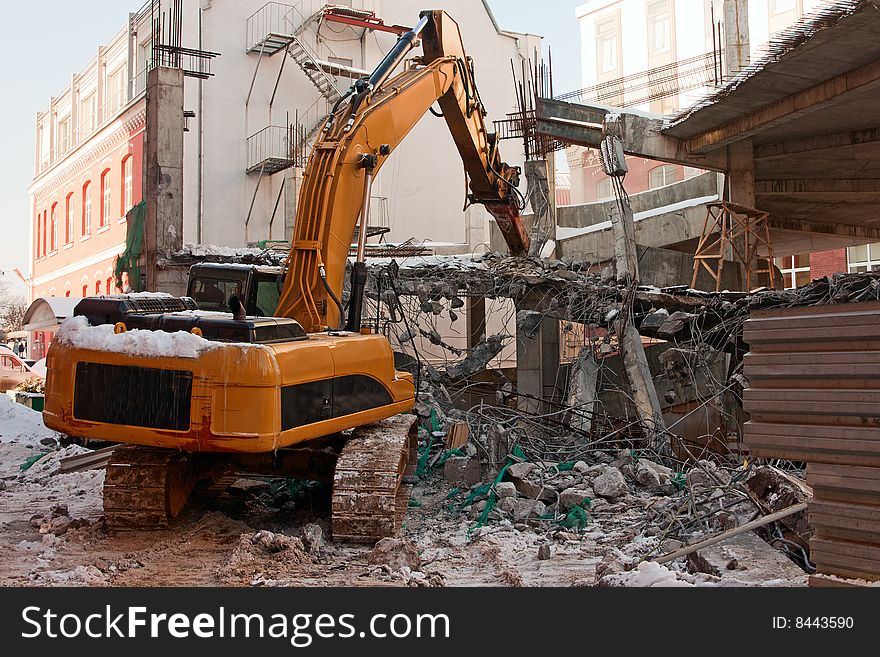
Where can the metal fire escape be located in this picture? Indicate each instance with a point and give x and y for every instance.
(278, 27)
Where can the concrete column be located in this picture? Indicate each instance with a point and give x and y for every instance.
(537, 363)
(476, 321)
(741, 183)
(736, 36)
(540, 175)
(163, 179)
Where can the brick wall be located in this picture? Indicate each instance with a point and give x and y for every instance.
(827, 263)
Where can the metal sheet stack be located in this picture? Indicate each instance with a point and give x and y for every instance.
(814, 396)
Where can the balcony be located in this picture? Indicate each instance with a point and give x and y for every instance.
(272, 27)
(271, 150)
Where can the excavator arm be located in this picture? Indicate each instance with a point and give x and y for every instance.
(366, 126)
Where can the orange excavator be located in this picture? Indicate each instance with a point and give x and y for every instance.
(194, 395)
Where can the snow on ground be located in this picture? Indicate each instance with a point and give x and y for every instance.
(20, 424)
(77, 333)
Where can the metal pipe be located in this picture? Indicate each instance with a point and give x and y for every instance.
(365, 216)
(365, 86)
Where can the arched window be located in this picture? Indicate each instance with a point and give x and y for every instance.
(604, 190)
(87, 209)
(53, 242)
(127, 185)
(68, 219)
(85, 290)
(37, 248)
(97, 287)
(44, 232)
(105, 198)
(665, 174)
(67, 294)
(110, 285)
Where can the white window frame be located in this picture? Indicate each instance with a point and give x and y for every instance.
(656, 18)
(667, 169)
(106, 198)
(790, 269)
(128, 178)
(69, 223)
(872, 261)
(87, 209)
(607, 36)
(53, 218)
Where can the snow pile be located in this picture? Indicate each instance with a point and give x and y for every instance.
(647, 574)
(76, 332)
(21, 424)
(149, 295)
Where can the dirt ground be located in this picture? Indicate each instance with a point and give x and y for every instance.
(52, 534)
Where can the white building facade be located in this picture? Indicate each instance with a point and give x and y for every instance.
(89, 140)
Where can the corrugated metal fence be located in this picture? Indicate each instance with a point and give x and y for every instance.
(814, 396)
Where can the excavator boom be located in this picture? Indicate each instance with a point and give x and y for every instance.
(365, 128)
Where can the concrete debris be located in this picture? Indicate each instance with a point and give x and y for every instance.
(528, 508)
(396, 553)
(505, 489)
(610, 484)
(544, 552)
(572, 497)
(462, 471)
(312, 538)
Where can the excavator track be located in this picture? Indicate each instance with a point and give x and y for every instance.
(370, 494)
(146, 487)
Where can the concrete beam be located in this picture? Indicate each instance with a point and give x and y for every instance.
(817, 143)
(810, 186)
(582, 124)
(785, 110)
(826, 228)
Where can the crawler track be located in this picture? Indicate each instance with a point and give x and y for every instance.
(146, 487)
(370, 497)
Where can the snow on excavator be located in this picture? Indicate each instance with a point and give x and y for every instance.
(194, 393)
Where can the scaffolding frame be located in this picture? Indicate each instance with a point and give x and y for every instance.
(740, 230)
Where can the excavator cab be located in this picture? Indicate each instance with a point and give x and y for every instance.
(213, 285)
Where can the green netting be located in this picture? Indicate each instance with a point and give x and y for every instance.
(679, 481)
(576, 518)
(450, 453)
(414, 503)
(127, 261)
(565, 467)
(31, 460)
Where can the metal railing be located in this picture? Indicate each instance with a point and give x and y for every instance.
(270, 149)
(275, 19)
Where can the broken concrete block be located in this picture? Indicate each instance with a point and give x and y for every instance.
(580, 467)
(534, 491)
(520, 470)
(575, 497)
(462, 471)
(505, 489)
(527, 509)
(544, 552)
(610, 484)
(311, 538)
(506, 504)
(645, 475)
(655, 320)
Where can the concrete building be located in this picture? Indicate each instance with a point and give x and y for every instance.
(800, 148)
(663, 57)
(241, 161)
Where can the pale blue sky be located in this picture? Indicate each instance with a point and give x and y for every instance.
(43, 43)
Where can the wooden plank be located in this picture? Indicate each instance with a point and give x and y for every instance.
(457, 436)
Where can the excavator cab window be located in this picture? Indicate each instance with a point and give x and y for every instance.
(267, 295)
(214, 293)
